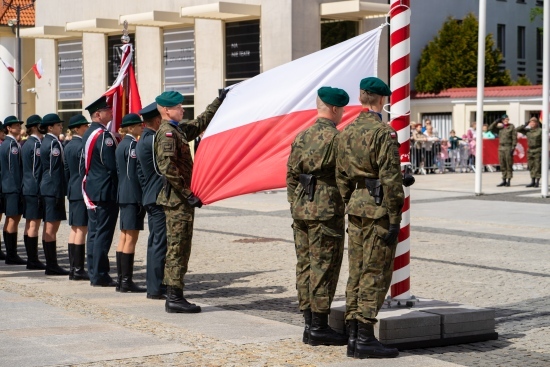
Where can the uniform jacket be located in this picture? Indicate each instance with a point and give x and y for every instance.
(129, 171)
(150, 179)
(10, 163)
(53, 168)
(313, 152)
(102, 180)
(174, 156)
(534, 137)
(508, 137)
(74, 168)
(368, 148)
(32, 167)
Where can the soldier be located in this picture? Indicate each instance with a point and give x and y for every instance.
(2, 137)
(99, 190)
(318, 212)
(534, 152)
(508, 140)
(12, 177)
(368, 174)
(175, 164)
(78, 215)
(129, 201)
(32, 175)
(151, 184)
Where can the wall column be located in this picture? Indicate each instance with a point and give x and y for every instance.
(7, 83)
(46, 87)
(94, 55)
(209, 61)
(148, 58)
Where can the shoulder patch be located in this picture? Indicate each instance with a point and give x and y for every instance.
(393, 135)
(14, 150)
(37, 152)
(133, 153)
(109, 142)
(56, 152)
(169, 134)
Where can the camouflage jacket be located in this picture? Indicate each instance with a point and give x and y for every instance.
(173, 156)
(507, 136)
(534, 137)
(368, 148)
(312, 152)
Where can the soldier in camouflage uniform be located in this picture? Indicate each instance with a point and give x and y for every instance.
(508, 140)
(318, 215)
(174, 162)
(368, 175)
(534, 149)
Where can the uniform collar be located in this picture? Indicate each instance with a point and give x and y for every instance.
(130, 136)
(324, 120)
(36, 137)
(77, 136)
(366, 110)
(11, 136)
(53, 136)
(173, 123)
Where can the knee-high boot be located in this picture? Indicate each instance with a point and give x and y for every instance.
(31, 245)
(127, 284)
(79, 269)
(52, 268)
(10, 239)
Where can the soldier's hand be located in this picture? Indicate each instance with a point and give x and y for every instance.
(222, 93)
(393, 233)
(194, 201)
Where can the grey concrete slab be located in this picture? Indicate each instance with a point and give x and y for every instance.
(390, 319)
(412, 339)
(461, 314)
(462, 327)
(467, 333)
(403, 333)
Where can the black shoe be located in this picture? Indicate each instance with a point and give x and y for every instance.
(352, 327)
(156, 296)
(508, 182)
(10, 239)
(127, 284)
(321, 334)
(79, 271)
(176, 303)
(109, 282)
(503, 183)
(52, 268)
(118, 271)
(367, 346)
(307, 323)
(31, 245)
(532, 184)
(537, 182)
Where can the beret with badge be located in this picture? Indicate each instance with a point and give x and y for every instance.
(50, 119)
(150, 111)
(77, 120)
(333, 96)
(169, 99)
(375, 85)
(131, 119)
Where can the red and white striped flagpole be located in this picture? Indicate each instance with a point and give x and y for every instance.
(400, 78)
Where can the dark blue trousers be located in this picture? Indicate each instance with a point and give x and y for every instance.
(156, 248)
(101, 229)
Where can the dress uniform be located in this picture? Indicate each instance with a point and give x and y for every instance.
(534, 149)
(53, 189)
(175, 164)
(100, 193)
(368, 175)
(132, 213)
(151, 184)
(508, 140)
(78, 214)
(2, 253)
(32, 175)
(318, 212)
(12, 183)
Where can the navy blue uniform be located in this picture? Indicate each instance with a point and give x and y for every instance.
(53, 187)
(32, 175)
(12, 176)
(129, 189)
(74, 173)
(101, 188)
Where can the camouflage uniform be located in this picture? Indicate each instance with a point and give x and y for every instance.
(534, 151)
(368, 148)
(319, 227)
(508, 140)
(176, 165)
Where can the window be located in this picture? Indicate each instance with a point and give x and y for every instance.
(179, 60)
(114, 56)
(501, 38)
(336, 31)
(521, 42)
(69, 77)
(242, 51)
(539, 43)
(67, 109)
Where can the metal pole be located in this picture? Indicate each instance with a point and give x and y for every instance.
(480, 93)
(545, 98)
(18, 76)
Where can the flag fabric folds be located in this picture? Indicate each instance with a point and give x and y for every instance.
(38, 69)
(8, 66)
(247, 144)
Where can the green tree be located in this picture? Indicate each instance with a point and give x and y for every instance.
(450, 59)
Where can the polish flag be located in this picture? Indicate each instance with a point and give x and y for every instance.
(8, 66)
(246, 146)
(38, 70)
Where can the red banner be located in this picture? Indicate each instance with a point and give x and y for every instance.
(490, 151)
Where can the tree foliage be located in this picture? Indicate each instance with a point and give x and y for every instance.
(450, 59)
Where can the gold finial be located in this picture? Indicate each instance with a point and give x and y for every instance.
(125, 38)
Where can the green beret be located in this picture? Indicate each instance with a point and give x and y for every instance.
(11, 120)
(375, 85)
(333, 96)
(505, 116)
(169, 99)
(33, 120)
(77, 120)
(150, 111)
(131, 119)
(50, 119)
(98, 104)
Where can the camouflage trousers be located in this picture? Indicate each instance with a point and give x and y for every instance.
(506, 161)
(370, 267)
(319, 251)
(534, 158)
(179, 233)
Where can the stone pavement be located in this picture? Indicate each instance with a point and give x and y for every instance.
(489, 251)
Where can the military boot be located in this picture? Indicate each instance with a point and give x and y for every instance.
(176, 303)
(537, 182)
(10, 239)
(367, 346)
(2, 254)
(532, 184)
(118, 271)
(307, 323)
(79, 270)
(127, 283)
(70, 250)
(508, 182)
(321, 334)
(503, 183)
(31, 245)
(352, 327)
(52, 268)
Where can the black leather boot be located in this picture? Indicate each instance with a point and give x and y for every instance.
(127, 284)
(31, 245)
(176, 303)
(70, 249)
(307, 322)
(537, 182)
(52, 268)
(367, 346)
(508, 182)
(79, 269)
(352, 327)
(503, 183)
(532, 184)
(10, 239)
(118, 271)
(2, 254)
(321, 334)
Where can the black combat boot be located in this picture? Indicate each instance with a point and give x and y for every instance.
(367, 346)
(508, 182)
(537, 181)
(70, 250)
(118, 271)
(52, 268)
(307, 323)
(127, 284)
(31, 245)
(321, 334)
(503, 183)
(352, 327)
(79, 270)
(176, 303)
(532, 184)
(2, 254)
(10, 239)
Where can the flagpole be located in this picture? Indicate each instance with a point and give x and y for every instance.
(480, 95)
(19, 65)
(27, 73)
(14, 78)
(545, 98)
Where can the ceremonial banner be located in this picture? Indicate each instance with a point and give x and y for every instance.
(246, 146)
(490, 151)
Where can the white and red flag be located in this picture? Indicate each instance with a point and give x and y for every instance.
(8, 66)
(38, 69)
(246, 145)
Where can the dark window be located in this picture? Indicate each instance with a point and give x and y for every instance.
(334, 32)
(539, 43)
(501, 38)
(114, 55)
(179, 60)
(242, 51)
(69, 76)
(521, 42)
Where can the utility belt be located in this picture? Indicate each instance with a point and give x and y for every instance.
(374, 188)
(309, 182)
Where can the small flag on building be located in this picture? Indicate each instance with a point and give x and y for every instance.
(8, 66)
(37, 68)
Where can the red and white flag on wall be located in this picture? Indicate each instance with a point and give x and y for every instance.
(38, 69)
(246, 146)
(8, 66)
